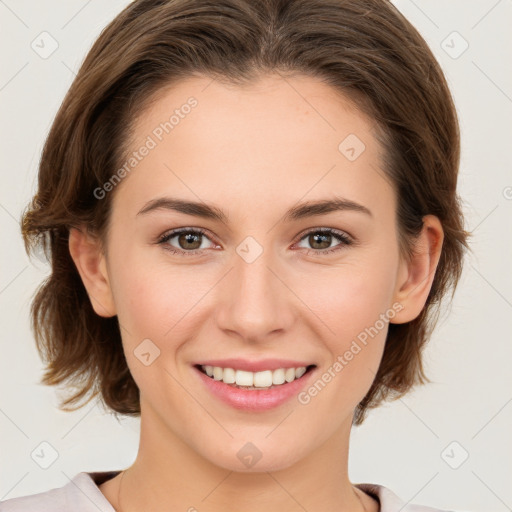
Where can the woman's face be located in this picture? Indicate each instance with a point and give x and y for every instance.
(260, 283)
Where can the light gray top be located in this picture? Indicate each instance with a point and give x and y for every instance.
(82, 494)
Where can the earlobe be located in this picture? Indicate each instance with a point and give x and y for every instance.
(90, 261)
(415, 277)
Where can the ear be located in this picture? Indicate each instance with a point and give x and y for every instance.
(90, 262)
(415, 277)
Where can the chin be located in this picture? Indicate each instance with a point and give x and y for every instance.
(256, 456)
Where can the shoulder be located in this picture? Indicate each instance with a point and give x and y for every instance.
(81, 494)
(390, 502)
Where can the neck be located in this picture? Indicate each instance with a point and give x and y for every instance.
(169, 474)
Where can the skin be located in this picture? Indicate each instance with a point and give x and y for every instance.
(254, 151)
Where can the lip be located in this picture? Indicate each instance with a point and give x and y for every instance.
(254, 366)
(254, 399)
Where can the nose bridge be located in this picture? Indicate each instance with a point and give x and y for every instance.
(255, 302)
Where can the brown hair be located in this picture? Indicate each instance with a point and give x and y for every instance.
(365, 49)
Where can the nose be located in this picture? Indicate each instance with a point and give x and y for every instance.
(255, 302)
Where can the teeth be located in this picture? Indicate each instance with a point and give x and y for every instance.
(254, 380)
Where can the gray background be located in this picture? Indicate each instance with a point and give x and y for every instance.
(416, 445)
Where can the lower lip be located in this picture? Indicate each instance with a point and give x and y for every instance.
(255, 399)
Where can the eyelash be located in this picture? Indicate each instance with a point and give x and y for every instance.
(340, 236)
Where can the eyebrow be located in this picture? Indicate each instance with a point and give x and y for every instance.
(300, 211)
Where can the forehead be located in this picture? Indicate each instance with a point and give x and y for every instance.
(287, 138)
(272, 110)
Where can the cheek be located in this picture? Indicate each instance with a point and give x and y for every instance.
(350, 297)
(139, 302)
(157, 301)
(151, 305)
(353, 306)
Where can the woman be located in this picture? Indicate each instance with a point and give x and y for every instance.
(252, 217)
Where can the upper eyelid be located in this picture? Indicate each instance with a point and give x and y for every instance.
(173, 232)
(335, 231)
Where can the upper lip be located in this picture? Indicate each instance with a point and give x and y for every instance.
(254, 366)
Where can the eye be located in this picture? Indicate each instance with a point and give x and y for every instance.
(188, 240)
(321, 238)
